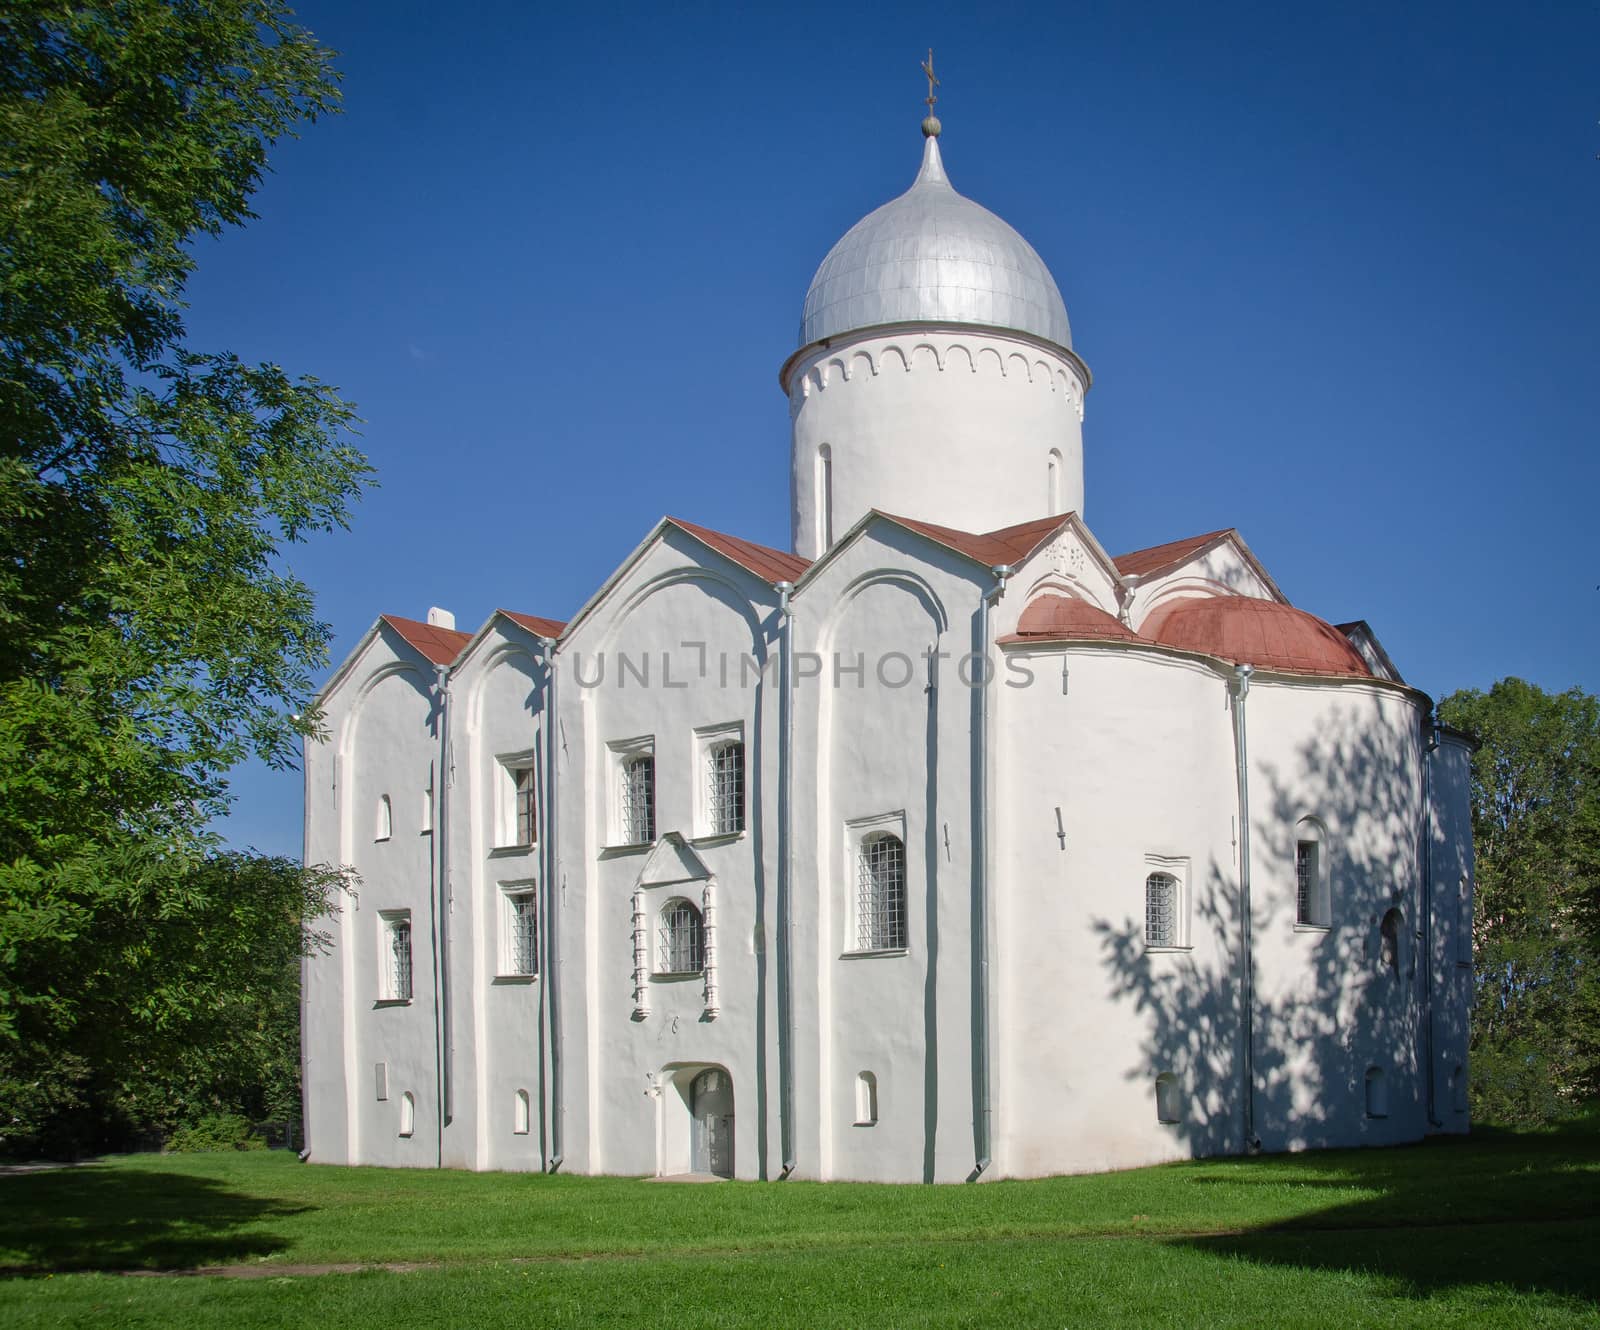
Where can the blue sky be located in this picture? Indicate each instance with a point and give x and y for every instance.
(1334, 269)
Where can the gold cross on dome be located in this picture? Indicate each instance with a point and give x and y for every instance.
(927, 68)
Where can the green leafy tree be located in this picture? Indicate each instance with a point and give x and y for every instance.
(150, 636)
(1536, 926)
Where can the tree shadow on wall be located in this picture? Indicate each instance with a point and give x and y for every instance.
(1328, 1008)
(107, 1218)
(1328, 1004)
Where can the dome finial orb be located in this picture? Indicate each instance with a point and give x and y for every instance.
(930, 125)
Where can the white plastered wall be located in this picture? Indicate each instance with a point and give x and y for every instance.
(950, 425)
(1109, 756)
(1349, 756)
(662, 656)
(873, 741)
(496, 695)
(380, 720)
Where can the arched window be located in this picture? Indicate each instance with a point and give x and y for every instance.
(1313, 907)
(866, 1099)
(520, 1114)
(408, 1114)
(1053, 482)
(383, 826)
(1161, 910)
(725, 791)
(881, 893)
(1389, 933)
(1377, 1094)
(1458, 1089)
(825, 497)
(683, 939)
(1169, 1106)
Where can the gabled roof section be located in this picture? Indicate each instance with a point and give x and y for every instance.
(439, 645)
(765, 562)
(534, 624)
(770, 565)
(1161, 558)
(1364, 640)
(1010, 544)
(1157, 560)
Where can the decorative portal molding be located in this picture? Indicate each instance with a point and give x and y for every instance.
(708, 918)
(641, 957)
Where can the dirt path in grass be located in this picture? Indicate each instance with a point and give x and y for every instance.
(269, 1269)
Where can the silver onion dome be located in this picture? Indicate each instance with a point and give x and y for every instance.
(933, 256)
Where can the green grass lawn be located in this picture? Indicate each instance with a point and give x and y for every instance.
(1500, 1229)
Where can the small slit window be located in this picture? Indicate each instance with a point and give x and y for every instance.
(682, 940)
(881, 893)
(1312, 902)
(825, 497)
(520, 1115)
(1377, 1093)
(866, 1099)
(383, 826)
(408, 1114)
(1169, 1103)
(1389, 934)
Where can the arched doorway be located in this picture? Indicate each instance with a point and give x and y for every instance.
(711, 1105)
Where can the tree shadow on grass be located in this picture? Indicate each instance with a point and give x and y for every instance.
(95, 1218)
(1517, 1212)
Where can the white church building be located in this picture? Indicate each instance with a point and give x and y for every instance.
(946, 846)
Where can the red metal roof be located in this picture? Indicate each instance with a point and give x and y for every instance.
(1262, 633)
(534, 624)
(1010, 544)
(1159, 558)
(1063, 618)
(440, 645)
(769, 564)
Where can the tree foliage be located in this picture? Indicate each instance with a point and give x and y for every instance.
(1536, 925)
(150, 636)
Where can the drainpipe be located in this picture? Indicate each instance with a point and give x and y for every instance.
(785, 878)
(549, 982)
(1247, 961)
(443, 1044)
(1430, 746)
(981, 868)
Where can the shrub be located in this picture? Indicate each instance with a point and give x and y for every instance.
(215, 1131)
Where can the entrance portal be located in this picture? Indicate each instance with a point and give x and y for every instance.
(711, 1105)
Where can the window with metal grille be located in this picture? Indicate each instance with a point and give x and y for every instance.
(523, 804)
(639, 799)
(397, 957)
(522, 933)
(881, 893)
(725, 797)
(1161, 910)
(1305, 879)
(683, 939)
